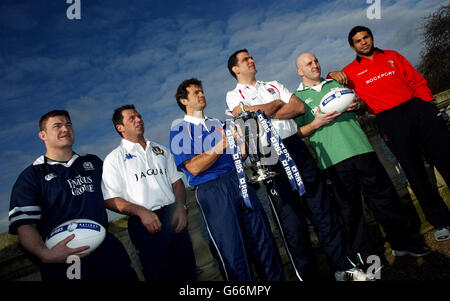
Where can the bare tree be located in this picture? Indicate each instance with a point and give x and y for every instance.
(435, 57)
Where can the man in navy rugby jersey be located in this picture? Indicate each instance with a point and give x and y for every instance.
(60, 186)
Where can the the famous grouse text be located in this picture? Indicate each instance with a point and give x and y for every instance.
(80, 185)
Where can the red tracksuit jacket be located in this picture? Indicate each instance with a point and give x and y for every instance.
(386, 81)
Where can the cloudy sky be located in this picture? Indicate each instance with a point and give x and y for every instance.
(139, 51)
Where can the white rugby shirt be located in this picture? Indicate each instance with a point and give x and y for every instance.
(262, 93)
(142, 177)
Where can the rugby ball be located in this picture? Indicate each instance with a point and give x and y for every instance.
(87, 233)
(338, 99)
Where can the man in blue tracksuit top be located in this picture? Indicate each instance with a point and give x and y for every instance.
(238, 227)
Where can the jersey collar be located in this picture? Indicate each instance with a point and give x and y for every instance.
(200, 121)
(42, 159)
(196, 120)
(129, 145)
(375, 51)
(246, 86)
(317, 88)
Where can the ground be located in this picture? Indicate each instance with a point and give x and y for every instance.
(432, 267)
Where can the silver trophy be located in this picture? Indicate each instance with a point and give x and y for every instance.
(248, 121)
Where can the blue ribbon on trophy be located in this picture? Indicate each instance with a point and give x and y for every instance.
(237, 159)
(284, 157)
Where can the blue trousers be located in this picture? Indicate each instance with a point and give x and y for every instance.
(166, 255)
(239, 234)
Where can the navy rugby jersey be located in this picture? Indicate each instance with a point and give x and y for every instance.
(48, 193)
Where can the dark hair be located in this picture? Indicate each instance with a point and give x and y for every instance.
(355, 30)
(182, 92)
(232, 61)
(53, 113)
(118, 117)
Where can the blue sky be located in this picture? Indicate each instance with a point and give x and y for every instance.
(139, 51)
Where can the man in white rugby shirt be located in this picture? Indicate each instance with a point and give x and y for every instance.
(140, 179)
(280, 106)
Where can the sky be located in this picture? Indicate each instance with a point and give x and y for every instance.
(138, 52)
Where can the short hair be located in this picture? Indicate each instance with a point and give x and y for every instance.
(355, 30)
(118, 117)
(232, 61)
(182, 91)
(52, 113)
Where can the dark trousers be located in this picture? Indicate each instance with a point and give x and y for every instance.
(109, 261)
(364, 176)
(165, 255)
(412, 130)
(240, 235)
(291, 213)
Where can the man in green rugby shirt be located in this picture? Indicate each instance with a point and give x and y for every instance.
(349, 161)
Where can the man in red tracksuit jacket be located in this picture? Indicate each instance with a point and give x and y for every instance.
(410, 125)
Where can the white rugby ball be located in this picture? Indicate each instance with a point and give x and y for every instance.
(87, 233)
(338, 99)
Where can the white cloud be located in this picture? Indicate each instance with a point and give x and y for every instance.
(101, 147)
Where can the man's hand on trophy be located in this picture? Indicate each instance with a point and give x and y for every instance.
(237, 110)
